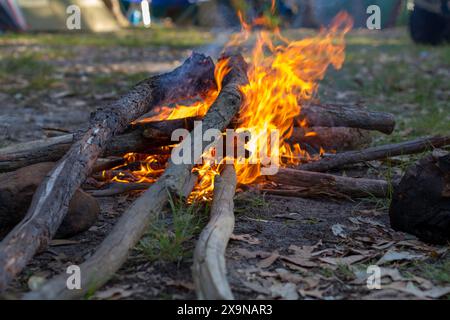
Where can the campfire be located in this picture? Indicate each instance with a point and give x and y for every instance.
(268, 104)
(282, 78)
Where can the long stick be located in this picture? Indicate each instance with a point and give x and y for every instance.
(113, 251)
(328, 183)
(327, 116)
(376, 153)
(209, 271)
(50, 202)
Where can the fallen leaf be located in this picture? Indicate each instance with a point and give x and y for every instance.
(287, 291)
(300, 261)
(245, 238)
(343, 261)
(410, 288)
(254, 286)
(114, 293)
(267, 262)
(318, 294)
(251, 254)
(338, 230)
(181, 284)
(392, 256)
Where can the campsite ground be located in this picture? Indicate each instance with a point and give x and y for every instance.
(53, 81)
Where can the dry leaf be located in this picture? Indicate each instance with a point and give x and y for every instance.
(316, 293)
(338, 230)
(410, 288)
(300, 261)
(267, 262)
(113, 294)
(343, 261)
(392, 256)
(246, 238)
(287, 291)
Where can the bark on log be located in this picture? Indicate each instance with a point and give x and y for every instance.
(113, 251)
(346, 116)
(335, 138)
(328, 183)
(140, 138)
(158, 134)
(376, 153)
(209, 270)
(421, 202)
(50, 202)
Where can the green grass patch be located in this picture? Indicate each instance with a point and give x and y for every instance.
(30, 69)
(167, 239)
(135, 38)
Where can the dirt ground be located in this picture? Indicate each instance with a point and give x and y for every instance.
(282, 248)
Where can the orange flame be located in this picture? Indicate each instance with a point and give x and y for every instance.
(283, 75)
(199, 108)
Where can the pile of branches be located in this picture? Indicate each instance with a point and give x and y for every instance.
(110, 133)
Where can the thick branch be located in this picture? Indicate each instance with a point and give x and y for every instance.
(347, 116)
(113, 251)
(50, 202)
(209, 270)
(376, 153)
(327, 183)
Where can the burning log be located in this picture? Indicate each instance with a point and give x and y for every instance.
(209, 271)
(421, 202)
(330, 184)
(144, 136)
(51, 200)
(114, 250)
(376, 153)
(346, 116)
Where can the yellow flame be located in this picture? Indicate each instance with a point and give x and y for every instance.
(283, 75)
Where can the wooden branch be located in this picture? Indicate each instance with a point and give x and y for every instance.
(50, 202)
(327, 183)
(209, 270)
(323, 115)
(119, 188)
(140, 138)
(158, 134)
(376, 153)
(113, 251)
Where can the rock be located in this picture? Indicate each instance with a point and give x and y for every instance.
(17, 189)
(421, 202)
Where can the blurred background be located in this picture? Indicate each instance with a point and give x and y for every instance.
(109, 15)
